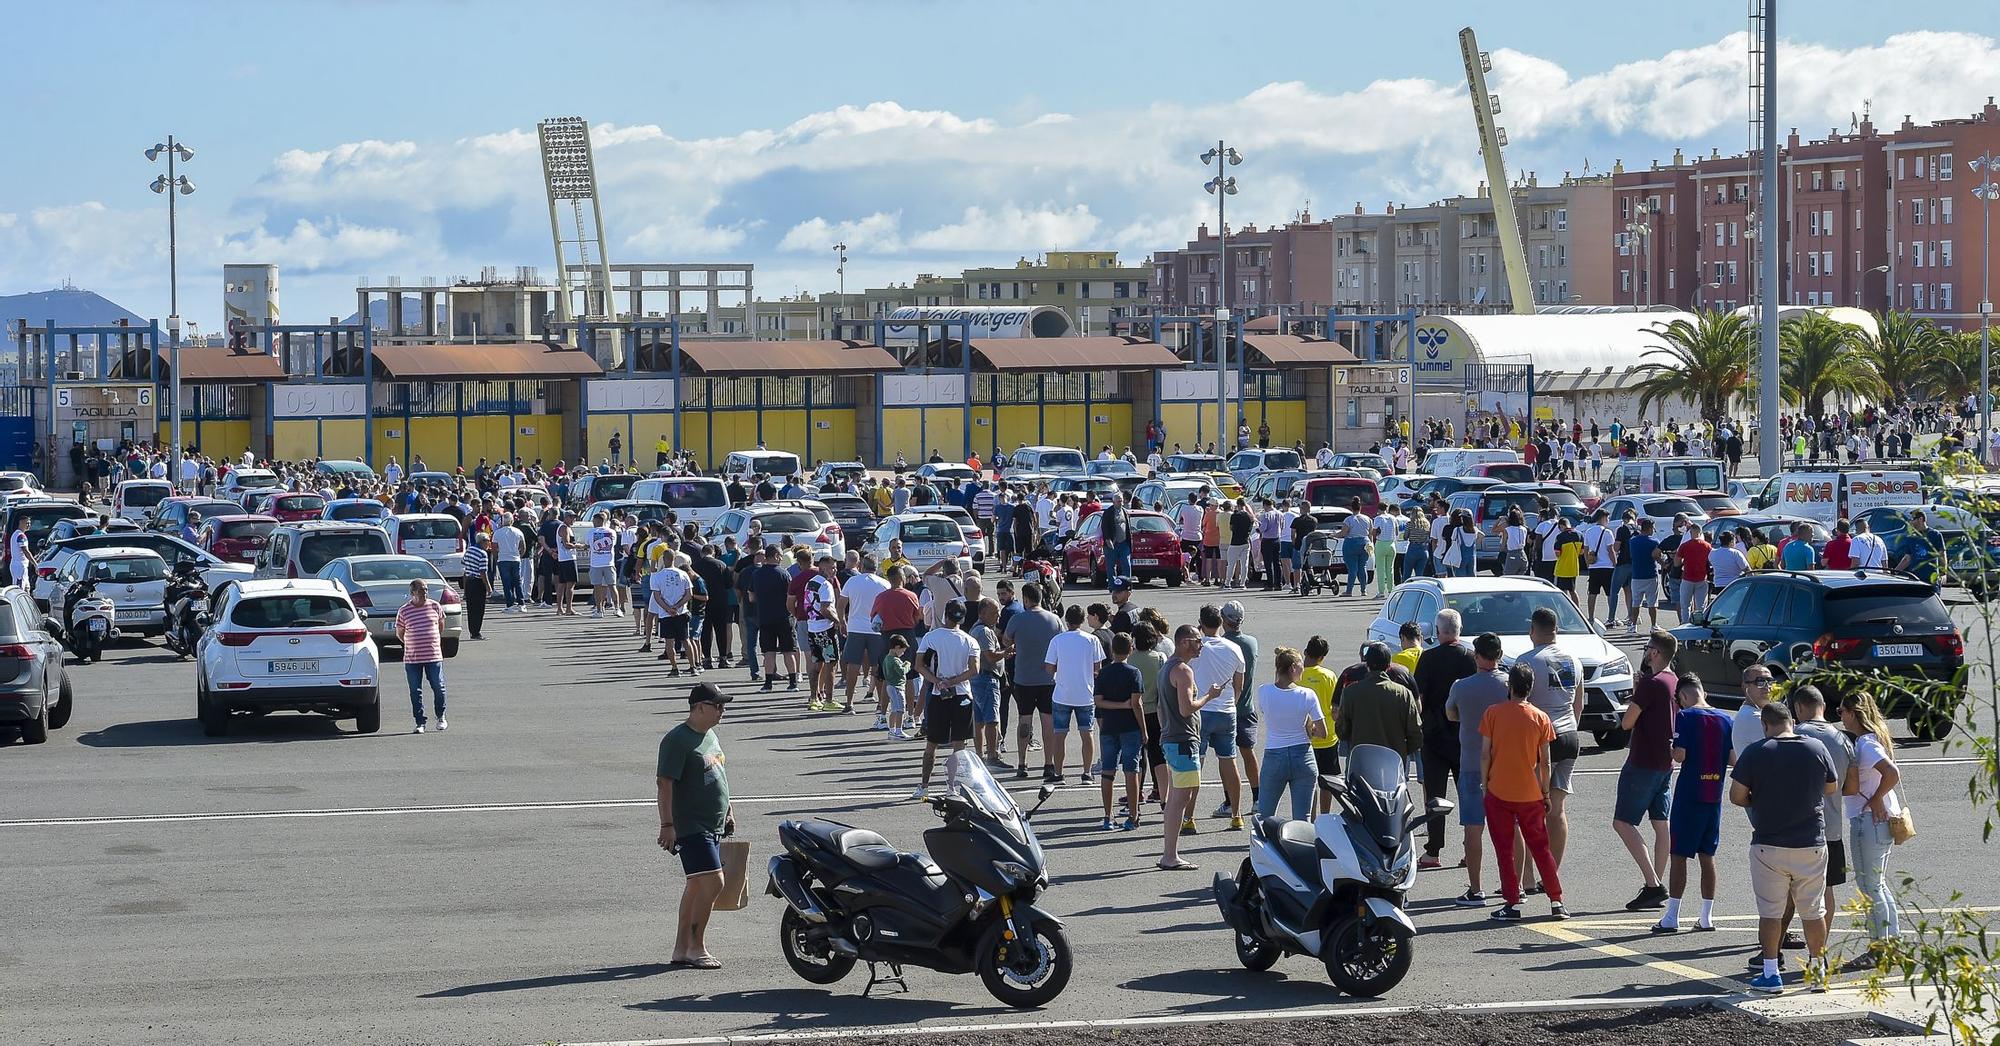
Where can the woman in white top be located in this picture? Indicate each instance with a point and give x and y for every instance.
(1388, 523)
(1292, 718)
(1872, 799)
(1514, 557)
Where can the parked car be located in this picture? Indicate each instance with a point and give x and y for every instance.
(337, 474)
(1053, 461)
(1712, 503)
(176, 512)
(433, 536)
(300, 550)
(237, 482)
(928, 539)
(694, 499)
(215, 571)
(590, 488)
(806, 522)
(1971, 547)
(76, 528)
(1771, 526)
(1246, 464)
(431, 480)
(1446, 486)
(1827, 626)
(975, 535)
(1402, 487)
(851, 511)
(379, 587)
(136, 499)
(1099, 487)
(1489, 507)
(134, 579)
(1165, 494)
(20, 485)
(36, 696)
(1156, 550)
(1503, 605)
(236, 539)
(42, 517)
(1195, 463)
(293, 508)
(1120, 471)
(1340, 491)
(354, 510)
(1662, 507)
(753, 465)
(1586, 490)
(295, 645)
(944, 471)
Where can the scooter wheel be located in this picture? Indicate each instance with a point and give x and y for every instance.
(1023, 980)
(1367, 960)
(812, 960)
(1253, 951)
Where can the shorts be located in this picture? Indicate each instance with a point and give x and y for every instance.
(1694, 829)
(948, 720)
(1189, 549)
(701, 852)
(1789, 873)
(603, 577)
(695, 623)
(1645, 591)
(1185, 763)
(1030, 698)
(1600, 579)
(1836, 862)
(1566, 584)
(639, 587)
(985, 699)
(1246, 727)
(1642, 793)
(674, 627)
(1084, 715)
(1119, 751)
(1217, 734)
(1212, 553)
(824, 645)
(1288, 553)
(864, 648)
(1471, 797)
(1327, 760)
(566, 571)
(1563, 769)
(776, 637)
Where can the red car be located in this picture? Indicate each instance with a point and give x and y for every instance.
(295, 508)
(1340, 491)
(238, 539)
(1156, 549)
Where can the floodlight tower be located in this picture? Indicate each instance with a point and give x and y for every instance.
(570, 171)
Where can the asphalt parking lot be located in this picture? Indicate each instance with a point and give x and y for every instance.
(500, 883)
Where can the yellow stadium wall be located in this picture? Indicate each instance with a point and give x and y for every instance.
(338, 438)
(1287, 418)
(217, 438)
(902, 429)
(437, 439)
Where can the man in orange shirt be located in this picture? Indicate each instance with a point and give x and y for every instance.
(1515, 766)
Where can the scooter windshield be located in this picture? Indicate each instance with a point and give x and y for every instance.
(972, 782)
(1378, 772)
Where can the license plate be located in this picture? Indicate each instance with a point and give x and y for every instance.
(296, 665)
(97, 624)
(1899, 650)
(1145, 562)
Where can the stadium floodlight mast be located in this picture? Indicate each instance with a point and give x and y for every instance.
(172, 186)
(840, 274)
(1222, 187)
(1988, 190)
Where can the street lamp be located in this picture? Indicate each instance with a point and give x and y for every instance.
(840, 271)
(1860, 293)
(1222, 187)
(1988, 190)
(172, 186)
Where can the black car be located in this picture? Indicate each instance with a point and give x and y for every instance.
(851, 511)
(1819, 624)
(42, 517)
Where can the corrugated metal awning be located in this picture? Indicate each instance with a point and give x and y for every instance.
(202, 365)
(503, 362)
(785, 358)
(1290, 350)
(1029, 355)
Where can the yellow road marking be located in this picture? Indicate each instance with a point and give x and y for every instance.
(1619, 951)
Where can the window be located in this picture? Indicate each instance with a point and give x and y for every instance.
(1083, 289)
(1121, 289)
(1062, 288)
(1813, 225)
(1562, 289)
(982, 291)
(1732, 272)
(1857, 261)
(1670, 279)
(1826, 220)
(1901, 173)
(1944, 167)
(1916, 212)
(1742, 191)
(1816, 181)
(1732, 234)
(1812, 265)
(1943, 212)
(1562, 218)
(1917, 254)
(1562, 254)
(1840, 179)
(1944, 252)
(1857, 220)
(1944, 296)
(1142, 288)
(1625, 279)
(1718, 234)
(1826, 263)
(1625, 208)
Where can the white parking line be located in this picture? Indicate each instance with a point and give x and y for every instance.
(555, 805)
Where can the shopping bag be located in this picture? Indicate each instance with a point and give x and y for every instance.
(735, 876)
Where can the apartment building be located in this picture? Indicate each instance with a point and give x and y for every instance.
(1289, 266)
(1933, 230)
(1837, 220)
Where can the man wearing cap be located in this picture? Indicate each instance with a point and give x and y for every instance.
(1124, 612)
(694, 817)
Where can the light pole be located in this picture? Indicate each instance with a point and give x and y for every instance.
(840, 273)
(1222, 187)
(173, 185)
(1987, 190)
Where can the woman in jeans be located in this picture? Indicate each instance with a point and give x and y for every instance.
(1417, 536)
(1872, 800)
(1514, 544)
(1292, 719)
(1354, 547)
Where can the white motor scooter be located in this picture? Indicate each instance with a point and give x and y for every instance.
(1334, 887)
(90, 621)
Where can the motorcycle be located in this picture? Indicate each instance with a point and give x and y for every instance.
(89, 621)
(187, 605)
(1334, 887)
(968, 908)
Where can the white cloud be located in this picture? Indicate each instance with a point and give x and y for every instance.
(311, 245)
(879, 232)
(1012, 228)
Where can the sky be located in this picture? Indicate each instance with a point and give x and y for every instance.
(351, 140)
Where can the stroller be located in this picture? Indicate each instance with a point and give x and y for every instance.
(1322, 562)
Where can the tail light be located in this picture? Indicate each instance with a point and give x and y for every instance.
(291, 570)
(17, 650)
(349, 636)
(461, 545)
(45, 573)
(362, 600)
(450, 597)
(236, 638)
(1951, 646)
(400, 550)
(1827, 648)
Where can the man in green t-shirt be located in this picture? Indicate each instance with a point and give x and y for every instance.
(694, 816)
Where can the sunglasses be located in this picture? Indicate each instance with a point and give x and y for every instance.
(1763, 681)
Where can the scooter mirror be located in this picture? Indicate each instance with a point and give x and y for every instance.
(1046, 791)
(1441, 805)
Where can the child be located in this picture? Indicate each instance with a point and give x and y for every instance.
(895, 670)
(1121, 728)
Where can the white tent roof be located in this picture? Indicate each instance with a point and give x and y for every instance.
(1847, 314)
(1557, 342)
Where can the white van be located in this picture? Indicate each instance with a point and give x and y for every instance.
(753, 465)
(1047, 461)
(1657, 475)
(1459, 461)
(137, 499)
(1829, 496)
(698, 498)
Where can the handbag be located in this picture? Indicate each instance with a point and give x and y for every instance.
(1902, 827)
(1453, 553)
(735, 894)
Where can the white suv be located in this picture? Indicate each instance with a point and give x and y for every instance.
(807, 522)
(293, 645)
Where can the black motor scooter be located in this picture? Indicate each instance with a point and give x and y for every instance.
(187, 602)
(968, 907)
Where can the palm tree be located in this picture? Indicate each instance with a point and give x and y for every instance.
(1703, 363)
(1900, 353)
(1823, 357)
(1952, 371)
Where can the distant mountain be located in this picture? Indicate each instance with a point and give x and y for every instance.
(67, 306)
(413, 314)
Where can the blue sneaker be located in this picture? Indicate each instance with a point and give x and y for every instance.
(1768, 983)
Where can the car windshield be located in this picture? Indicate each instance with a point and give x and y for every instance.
(612, 488)
(1061, 459)
(693, 495)
(1510, 472)
(789, 521)
(1281, 459)
(368, 571)
(775, 465)
(317, 550)
(923, 530)
(1691, 477)
(1666, 508)
(203, 510)
(1112, 467)
(650, 511)
(296, 611)
(360, 510)
(299, 503)
(1495, 506)
(1560, 496)
(11, 483)
(1152, 525)
(1338, 493)
(1905, 605)
(1196, 462)
(146, 495)
(1366, 461)
(41, 520)
(442, 527)
(974, 784)
(252, 480)
(245, 529)
(129, 570)
(1506, 612)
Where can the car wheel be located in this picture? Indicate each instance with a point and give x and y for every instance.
(65, 704)
(36, 731)
(368, 718)
(214, 720)
(1929, 726)
(1612, 740)
(1174, 580)
(451, 648)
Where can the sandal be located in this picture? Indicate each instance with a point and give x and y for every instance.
(1178, 866)
(706, 962)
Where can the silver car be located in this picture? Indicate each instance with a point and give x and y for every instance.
(380, 587)
(35, 694)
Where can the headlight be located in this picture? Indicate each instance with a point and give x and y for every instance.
(1014, 872)
(1617, 667)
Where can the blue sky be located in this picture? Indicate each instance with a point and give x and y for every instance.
(369, 139)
